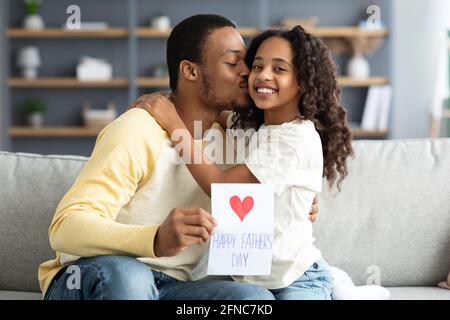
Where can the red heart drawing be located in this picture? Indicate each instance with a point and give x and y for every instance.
(242, 208)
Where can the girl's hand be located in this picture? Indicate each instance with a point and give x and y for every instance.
(162, 109)
(222, 119)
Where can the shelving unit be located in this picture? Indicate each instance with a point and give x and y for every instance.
(50, 132)
(59, 33)
(149, 82)
(130, 36)
(326, 32)
(66, 83)
(54, 132)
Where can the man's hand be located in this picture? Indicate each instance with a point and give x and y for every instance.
(314, 209)
(182, 228)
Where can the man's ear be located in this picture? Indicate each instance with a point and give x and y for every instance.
(188, 70)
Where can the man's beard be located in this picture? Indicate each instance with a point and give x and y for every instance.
(213, 101)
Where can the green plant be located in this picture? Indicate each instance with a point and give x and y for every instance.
(32, 6)
(31, 105)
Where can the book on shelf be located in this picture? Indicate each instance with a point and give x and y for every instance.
(376, 108)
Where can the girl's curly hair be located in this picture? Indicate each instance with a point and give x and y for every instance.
(320, 99)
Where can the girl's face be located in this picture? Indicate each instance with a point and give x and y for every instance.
(272, 80)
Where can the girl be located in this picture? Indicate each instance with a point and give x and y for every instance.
(296, 100)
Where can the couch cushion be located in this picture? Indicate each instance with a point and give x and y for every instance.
(31, 188)
(391, 222)
(419, 293)
(20, 295)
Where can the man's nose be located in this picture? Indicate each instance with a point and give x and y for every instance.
(244, 72)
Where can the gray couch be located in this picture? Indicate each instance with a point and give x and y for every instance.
(389, 225)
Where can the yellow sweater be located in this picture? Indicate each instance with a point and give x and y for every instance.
(121, 196)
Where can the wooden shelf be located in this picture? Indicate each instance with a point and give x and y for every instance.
(92, 132)
(156, 33)
(153, 82)
(351, 82)
(248, 31)
(151, 33)
(149, 82)
(337, 32)
(54, 132)
(62, 33)
(347, 32)
(358, 133)
(66, 83)
(343, 81)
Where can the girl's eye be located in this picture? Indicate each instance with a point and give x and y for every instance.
(256, 67)
(279, 69)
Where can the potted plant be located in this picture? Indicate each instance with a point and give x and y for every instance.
(34, 109)
(33, 20)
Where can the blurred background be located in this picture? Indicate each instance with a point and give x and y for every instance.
(69, 67)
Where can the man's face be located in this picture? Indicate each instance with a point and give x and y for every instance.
(224, 72)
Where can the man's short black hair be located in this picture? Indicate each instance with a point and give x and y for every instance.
(187, 39)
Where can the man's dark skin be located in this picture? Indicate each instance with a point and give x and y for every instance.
(204, 90)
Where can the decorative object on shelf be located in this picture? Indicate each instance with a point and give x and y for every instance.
(441, 90)
(160, 70)
(358, 67)
(89, 26)
(33, 20)
(94, 69)
(34, 109)
(29, 60)
(289, 23)
(98, 118)
(364, 24)
(376, 109)
(160, 22)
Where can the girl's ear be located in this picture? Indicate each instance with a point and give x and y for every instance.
(188, 70)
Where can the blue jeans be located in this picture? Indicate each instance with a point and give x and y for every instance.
(315, 284)
(125, 278)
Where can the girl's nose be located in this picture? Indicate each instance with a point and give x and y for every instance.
(265, 75)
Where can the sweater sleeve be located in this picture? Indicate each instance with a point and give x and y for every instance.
(123, 159)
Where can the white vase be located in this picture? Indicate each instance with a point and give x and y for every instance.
(36, 119)
(29, 73)
(358, 67)
(161, 23)
(33, 22)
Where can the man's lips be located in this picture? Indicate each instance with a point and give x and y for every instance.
(243, 85)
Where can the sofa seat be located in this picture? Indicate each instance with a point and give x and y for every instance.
(419, 293)
(20, 295)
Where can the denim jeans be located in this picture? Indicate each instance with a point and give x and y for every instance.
(315, 284)
(124, 278)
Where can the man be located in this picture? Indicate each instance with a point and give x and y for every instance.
(131, 200)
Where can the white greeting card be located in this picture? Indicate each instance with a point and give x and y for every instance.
(243, 239)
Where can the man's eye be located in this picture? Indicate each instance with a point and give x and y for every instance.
(231, 64)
